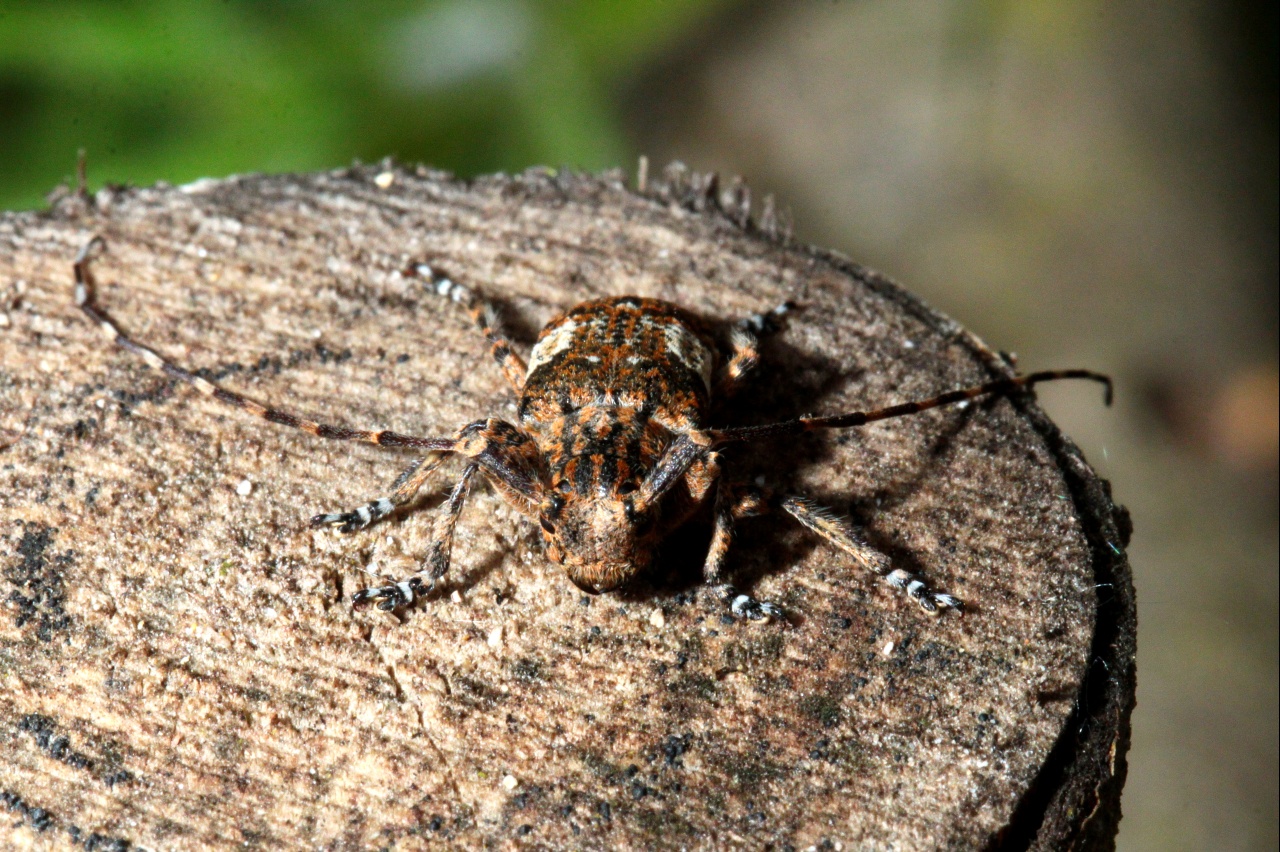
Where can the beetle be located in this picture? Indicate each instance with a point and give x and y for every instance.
(611, 451)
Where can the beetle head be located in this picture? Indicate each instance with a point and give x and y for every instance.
(602, 540)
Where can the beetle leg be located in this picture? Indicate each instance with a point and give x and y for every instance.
(485, 316)
(841, 533)
(405, 488)
(436, 565)
(744, 340)
(729, 508)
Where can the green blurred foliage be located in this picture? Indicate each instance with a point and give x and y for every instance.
(173, 91)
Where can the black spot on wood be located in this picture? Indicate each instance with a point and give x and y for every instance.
(39, 590)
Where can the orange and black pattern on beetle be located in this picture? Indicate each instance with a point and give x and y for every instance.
(611, 451)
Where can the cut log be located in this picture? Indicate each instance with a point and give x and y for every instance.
(182, 668)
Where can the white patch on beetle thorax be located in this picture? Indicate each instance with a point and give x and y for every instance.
(552, 344)
(685, 346)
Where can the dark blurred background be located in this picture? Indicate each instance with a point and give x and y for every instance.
(1085, 183)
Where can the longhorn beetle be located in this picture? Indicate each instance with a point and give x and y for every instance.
(611, 451)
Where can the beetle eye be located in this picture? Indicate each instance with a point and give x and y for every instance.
(547, 525)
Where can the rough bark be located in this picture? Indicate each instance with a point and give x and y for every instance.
(180, 662)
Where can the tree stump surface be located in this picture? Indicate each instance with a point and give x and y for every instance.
(181, 665)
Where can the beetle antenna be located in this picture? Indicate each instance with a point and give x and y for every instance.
(902, 409)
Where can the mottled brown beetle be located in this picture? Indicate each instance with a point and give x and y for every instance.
(611, 452)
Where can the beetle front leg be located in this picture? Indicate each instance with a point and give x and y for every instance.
(436, 565)
(729, 508)
(509, 458)
(405, 488)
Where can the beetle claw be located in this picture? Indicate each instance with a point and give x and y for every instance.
(747, 607)
(392, 597)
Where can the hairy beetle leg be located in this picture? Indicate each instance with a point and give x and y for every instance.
(746, 608)
(358, 519)
(404, 592)
(405, 488)
(842, 534)
(744, 342)
(731, 504)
